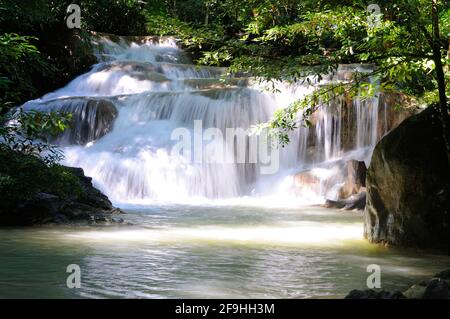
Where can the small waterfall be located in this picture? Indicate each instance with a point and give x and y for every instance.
(132, 104)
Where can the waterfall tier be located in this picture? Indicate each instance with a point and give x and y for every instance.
(127, 108)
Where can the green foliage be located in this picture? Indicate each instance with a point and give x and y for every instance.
(283, 40)
(23, 176)
(301, 39)
(19, 59)
(38, 53)
(28, 133)
(120, 17)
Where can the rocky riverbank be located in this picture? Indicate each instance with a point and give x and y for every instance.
(438, 287)
(35, 193)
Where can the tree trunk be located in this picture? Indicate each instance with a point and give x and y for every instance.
(207, 14)
(443, 109)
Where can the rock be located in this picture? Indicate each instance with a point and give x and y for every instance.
(306, 180)
(443, 274)
(415, 292)
(437, 289)
(356, 201)
(372, 294)
(352, 195)
(60, 219)
(408, 186)
(92, 118)
(100, 218)
(334, 203)
(92, 196)
(94, 206)
(118, 220)
(44, 208)
(41, 206)
(320, 179)
(356, 179)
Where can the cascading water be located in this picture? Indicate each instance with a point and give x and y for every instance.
(129, 112)
(127, 108)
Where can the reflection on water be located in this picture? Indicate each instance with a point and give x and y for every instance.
(206, 252)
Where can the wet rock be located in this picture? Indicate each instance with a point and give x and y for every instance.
(389, 116)
(118, 220)
(408, 186)
(91, 195)
(354, 202)
(40, 207)
(306, 180)
(443, 274)
(100, 218)
(415, 292)
(43, 208)
(437, 289)
(356, 179)
(334, 204)
(92, 118)
(319, 180)
(372, 294)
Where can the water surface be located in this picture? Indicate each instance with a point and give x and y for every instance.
(180, 251)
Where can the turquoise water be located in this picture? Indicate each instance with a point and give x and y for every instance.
(206, 252)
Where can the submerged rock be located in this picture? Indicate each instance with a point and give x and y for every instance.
(408, 186)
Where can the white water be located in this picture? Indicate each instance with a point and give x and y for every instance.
(155, 92)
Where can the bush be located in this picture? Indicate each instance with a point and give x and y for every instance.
(22, 176)
(19, 61)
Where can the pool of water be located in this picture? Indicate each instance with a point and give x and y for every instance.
(182, 251)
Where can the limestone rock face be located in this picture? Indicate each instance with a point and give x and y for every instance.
(408, 186)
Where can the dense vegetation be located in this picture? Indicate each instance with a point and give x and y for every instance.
(291, 39)
(23, 176)
(275, 40)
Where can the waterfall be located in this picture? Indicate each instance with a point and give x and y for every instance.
(128, 108)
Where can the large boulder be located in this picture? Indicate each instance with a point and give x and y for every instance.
(408, 186)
